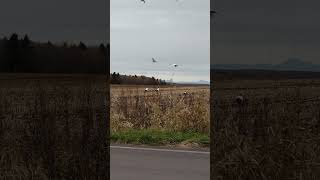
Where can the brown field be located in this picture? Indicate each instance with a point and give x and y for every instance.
(53, 127)
(272, 134)
(168, 109)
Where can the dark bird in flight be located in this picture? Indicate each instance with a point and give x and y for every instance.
(212, 12)
(143, 1)
(154, 61)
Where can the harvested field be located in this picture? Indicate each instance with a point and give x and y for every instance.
(53, 127)
(272, 134)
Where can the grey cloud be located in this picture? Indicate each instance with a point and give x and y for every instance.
(166, 30)
(265, 31)
(57, 20)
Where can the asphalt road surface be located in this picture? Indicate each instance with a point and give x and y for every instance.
(139, 163)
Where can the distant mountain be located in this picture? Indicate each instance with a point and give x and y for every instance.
(292, 64)
(194, 82)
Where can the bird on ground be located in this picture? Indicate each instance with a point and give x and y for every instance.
(239, 99)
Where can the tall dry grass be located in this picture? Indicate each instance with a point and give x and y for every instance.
(132, 108)
(273, 134)
(53, 129)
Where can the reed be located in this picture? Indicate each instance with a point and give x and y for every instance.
(169, 109)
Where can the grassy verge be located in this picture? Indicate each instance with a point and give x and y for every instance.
(157, 137)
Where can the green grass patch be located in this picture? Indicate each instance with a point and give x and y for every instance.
(157, 137)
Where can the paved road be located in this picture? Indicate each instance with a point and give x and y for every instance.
(136, 163)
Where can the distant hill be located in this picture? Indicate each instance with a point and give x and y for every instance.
(292, 64)
(227, 74)
(201, 82)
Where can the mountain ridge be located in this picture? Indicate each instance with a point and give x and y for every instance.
(204, 82)
(291, 64)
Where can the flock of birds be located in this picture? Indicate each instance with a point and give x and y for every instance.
(155, 61)
(158, 89)
(212, 12)
(238, 99)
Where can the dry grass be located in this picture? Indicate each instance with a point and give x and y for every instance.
(170, 109)
(53, 128)
(274, 134)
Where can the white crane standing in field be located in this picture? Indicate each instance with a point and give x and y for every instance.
(156, 90)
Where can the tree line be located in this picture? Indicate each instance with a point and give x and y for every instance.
(116, 78)
(24, 55)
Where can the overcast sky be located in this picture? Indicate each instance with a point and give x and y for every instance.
(167, 30)
(56, 20)
(265, 31)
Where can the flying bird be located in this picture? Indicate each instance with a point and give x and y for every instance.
(143, 1)
(175, 65)
(154, 61)
(212, 12)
